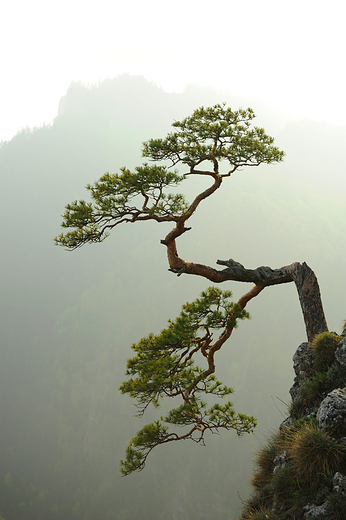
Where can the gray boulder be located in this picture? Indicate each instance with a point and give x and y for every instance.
(303, 361)
(340, 352)
(332, 410)
(280, 462)
(316, 512)
(286, 423)
(303, 358)
(339, 484)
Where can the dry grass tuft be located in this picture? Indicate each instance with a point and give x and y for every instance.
(260, 514)
(313, 453)
(264, 462)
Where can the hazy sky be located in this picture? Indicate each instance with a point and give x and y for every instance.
(290, 52)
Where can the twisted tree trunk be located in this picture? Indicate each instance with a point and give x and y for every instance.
(301, 274)
(306, 283)
(310, 299)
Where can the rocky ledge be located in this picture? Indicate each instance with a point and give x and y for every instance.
(300, 474)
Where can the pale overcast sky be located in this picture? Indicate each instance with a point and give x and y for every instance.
(292, 53)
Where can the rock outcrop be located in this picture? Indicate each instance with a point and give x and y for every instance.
(303, 361)
(301, 473)
(340, 352)
(332, 411)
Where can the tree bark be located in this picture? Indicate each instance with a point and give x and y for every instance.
(310, 299)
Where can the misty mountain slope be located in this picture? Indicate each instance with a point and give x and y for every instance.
(68, 319)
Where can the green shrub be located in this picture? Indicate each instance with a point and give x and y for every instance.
(317, 388)
(336, 375)
(324, 345)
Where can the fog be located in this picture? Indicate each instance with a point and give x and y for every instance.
(68, 319)
(289, 54)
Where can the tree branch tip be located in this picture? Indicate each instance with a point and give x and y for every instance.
(164, 243)
(230, 263)
(221, 262)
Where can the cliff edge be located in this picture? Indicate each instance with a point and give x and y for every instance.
(300, 474)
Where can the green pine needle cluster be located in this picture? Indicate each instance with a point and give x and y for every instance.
(118, 198)
(215, 134)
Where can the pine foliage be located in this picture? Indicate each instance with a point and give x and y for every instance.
(165, 367)
(209, 135)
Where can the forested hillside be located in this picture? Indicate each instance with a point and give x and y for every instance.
(67, 320)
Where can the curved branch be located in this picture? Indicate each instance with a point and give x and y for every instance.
(206, 193)
(226, 333)
(301, 274)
